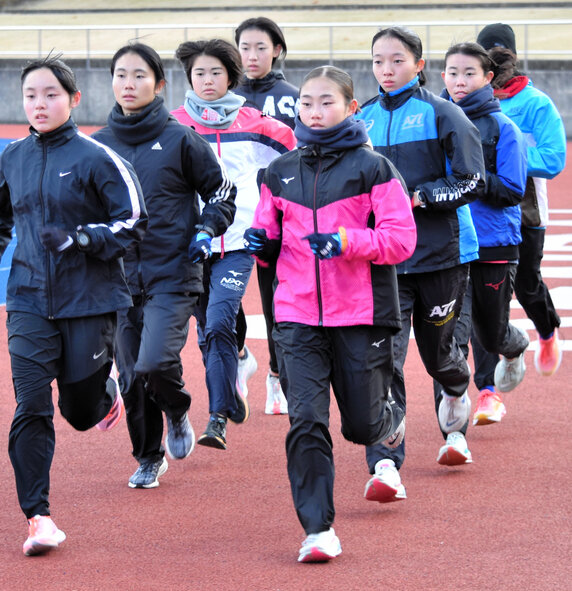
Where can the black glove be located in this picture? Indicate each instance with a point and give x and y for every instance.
(255, 240)
(55, 239)
(325, 246)
(200, 247)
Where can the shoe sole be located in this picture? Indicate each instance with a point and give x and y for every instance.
(238, 420)
(42, 546)
(484, 419)
(449, 456)
(317, 555)
(214, 442)
(382, 493)
(275, 410)
(155, 483)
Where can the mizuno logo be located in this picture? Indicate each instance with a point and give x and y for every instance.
(235, 273)
(98, 355)
(156, 146)
(286, 181)
(65, 173)
(377, 343)
(495, 286)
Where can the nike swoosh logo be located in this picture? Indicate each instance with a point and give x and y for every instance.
(98, 355)
(64, 173)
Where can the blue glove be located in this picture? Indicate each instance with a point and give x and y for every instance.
(325, 246)
(255, 240)
(200, 247)
(55, 239)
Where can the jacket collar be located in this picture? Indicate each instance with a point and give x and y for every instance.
(58, 136)
(394, 99)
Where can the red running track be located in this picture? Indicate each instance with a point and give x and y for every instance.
(224, 519)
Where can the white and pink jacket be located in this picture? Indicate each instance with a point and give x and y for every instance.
(251, 142)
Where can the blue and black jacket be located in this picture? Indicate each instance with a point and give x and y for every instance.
(438, 152)
(496, 213)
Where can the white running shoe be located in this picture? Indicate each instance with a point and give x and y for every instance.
(455, 451)
(510, 372)
(454, 412)
(320, 547)
(385, 485)
(276, 403)
(247, 367)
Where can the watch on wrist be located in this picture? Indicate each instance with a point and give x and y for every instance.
(83, 240)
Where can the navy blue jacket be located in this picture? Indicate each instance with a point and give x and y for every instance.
(65, 179)
(174, 164)
(438, 152)
(496, 213)
(272, 95)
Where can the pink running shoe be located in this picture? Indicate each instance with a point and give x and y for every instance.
(455, 451)
(385, 485)
(490, 408)
(117, 408)
(548, 356)
(320, 547)
(43, 536)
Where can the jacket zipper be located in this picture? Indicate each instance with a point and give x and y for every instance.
(219, 150)
(47, 255)
(317, 260)
(390, 154)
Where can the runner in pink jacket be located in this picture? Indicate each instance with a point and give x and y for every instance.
(336, 217)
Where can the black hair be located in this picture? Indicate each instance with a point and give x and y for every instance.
(261, 23)
(146, 53)
(227, 53)
(341, 78)
(59, 69)
(410, 40)
(473, 50)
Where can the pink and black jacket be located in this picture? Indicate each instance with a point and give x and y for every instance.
(358, 193)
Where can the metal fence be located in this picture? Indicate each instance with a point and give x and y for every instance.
(538, 39)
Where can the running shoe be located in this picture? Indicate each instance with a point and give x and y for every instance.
(43, 536)
(490, 408)
(276, 403)
(215, 433)
(242, 412)
(455, 451)
(148, 473)
(180, 440)
(247, 367)
(398, 425)
(548, 356)
(385, 485)
(510, 372)
(320, 547)
(117, 408)
(454, 412)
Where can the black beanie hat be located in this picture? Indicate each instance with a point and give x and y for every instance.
(497, 35)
